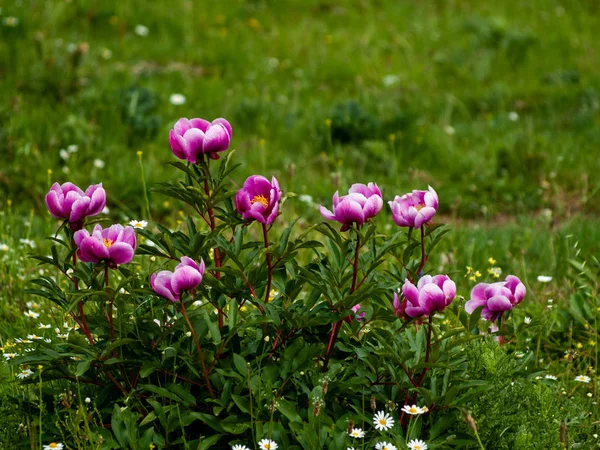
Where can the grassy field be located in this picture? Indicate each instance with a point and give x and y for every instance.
(494, 104)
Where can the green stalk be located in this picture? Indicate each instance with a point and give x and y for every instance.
(148, 215)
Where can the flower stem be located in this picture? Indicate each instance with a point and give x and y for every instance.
(269, 265)
(212, 224)
(109, 315)
(81, 320)
(200, 354)
(423, 254)
(149, 216)
(336, 326)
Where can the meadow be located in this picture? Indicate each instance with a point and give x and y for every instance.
(496, 105)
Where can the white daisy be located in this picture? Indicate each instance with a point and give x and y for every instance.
(544, 278)
(413, 410)
(383, 421)
(239, 447)
(10, 355)
(582, 378)
(357, 433)
(513, 116)
(23, 341)
(33, 337)
(527, 320)
(550, 377)
(41, 326)
(267, 444)
(142, 30)
(4, 247)
(139, 224)
(24, 374)
(53, 446)
(417, 444)
(385, 446)
(99, 164)
(177, 99)
(32, 314)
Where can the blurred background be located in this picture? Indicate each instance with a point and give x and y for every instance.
(496, 104)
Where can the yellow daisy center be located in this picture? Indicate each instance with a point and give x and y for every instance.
(416, 447)
(382, 422)
(263, 201)
(267, 446)
(53, 445)
(107, 242)
(413, 409)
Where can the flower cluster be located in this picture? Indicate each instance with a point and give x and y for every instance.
(69, 202)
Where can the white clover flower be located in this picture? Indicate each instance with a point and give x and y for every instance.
(357, 433)
(267, 444)
(544, 278)
(24, 374)
(53, 446)
(582, 378)
(142, 30)
(417, 444)
(385, 446)
(177, 99)
(239, 447)
(383, 421)
(412, 410)
(139, 224)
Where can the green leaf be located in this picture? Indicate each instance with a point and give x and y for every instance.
(288, 410)
(240, 364)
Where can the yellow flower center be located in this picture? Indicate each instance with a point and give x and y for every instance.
(413, 409)
(382, 422)
(107, 243)
(416, 447)
(267, 446)
(53, 445)
(263, 201)
(420, 206)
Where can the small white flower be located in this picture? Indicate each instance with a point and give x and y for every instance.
(390, 80)
(582, 378)
(72, 148)
(590, 395)
(88, 400)
(10, 355)
(417, 444)
(99, 164)
(105, 210)
(4, 247)
(177, 99)
(53, 446)
(239, 447)
(412, 410)
(32, 314)
(550, 300)
(197, 303)
(41, 326)
(267, 444)
(267, 338)
(385, 446)
(142, 30)
(551, 377)
(449, 130)
(188, 334)
(139, 224)
(69, 272)
(47, 340)
(357, 433)
(306, 199)
(27, 242)
(24, 374)
(62, 336)
(33, 337)
(23, 341)
(71, 47)
(11, 21)
(513, 116)
(64, 154)
(544, 278)
(383, 421)
(527, 320)
(519, 354)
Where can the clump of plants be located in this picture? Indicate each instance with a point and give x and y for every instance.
(239, 331)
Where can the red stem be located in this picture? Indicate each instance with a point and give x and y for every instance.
(211, 216)
(423, 255)
(338, 325)
(200, 354)
(269, 265)
(82, 322)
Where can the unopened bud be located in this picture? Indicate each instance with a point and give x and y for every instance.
(350, 426)
(317, 410)
(470, 421)
(373, 403)
(325, 386)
